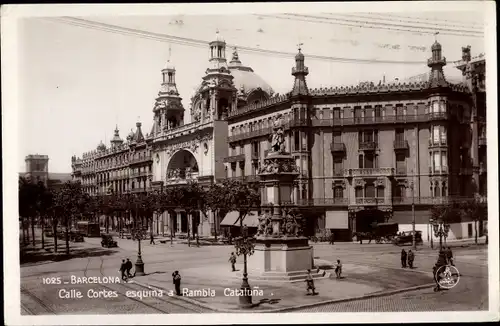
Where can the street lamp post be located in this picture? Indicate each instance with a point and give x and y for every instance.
(440, 229)
(139, 264)
(431, 221)
(413, 241)
(244, 246)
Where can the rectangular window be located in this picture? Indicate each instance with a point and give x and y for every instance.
(400, 135)
(369, 161)
(337, 166)
(443, 134)
(435, 134)
(369, 190)
(368, 136)
(437, 161)
(444, 161)
(255, 148)
(336, 113)
(399, 111)
(296, 138)
(337, 137)
(359, 192)
(360, 162)
(378, 111)
(338, 192)
(380, 192)
(242, 149)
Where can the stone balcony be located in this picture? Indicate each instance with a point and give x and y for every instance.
(401, 145)
(429, 200)
(435, 116)
(369, 172)
(368, 146)
(234, 158)
(139, 160)
(323, 202)
(370, 201)
(337, 147)
(438, 170)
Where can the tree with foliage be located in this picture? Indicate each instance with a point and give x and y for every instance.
(71, 203)
(29, 194)
(476, 210)
(191, 195)
(45, 207)
(241, 197)
(172, 199)
(215, 200)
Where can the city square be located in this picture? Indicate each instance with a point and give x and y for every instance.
(198, 164)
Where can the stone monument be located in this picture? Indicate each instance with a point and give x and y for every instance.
(282, 252)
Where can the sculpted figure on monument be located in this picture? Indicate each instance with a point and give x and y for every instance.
(265, 226)
(278, 136)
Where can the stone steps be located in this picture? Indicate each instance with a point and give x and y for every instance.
(295, 276)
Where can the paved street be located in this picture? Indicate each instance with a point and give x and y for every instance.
(368, 269)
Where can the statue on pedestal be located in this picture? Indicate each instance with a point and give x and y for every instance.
(265, 227)
(278, 136)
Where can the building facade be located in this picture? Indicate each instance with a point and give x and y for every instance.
(366, 153)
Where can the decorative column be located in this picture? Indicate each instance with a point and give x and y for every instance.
(179, 222)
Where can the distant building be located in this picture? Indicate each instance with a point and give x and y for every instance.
(366, 153)
(37, 169)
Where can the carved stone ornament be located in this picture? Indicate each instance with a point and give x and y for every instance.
(278, 165)
(359, 183)
(379, 183)
(339, 183)
(278, 136)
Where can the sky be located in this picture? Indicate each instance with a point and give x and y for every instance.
(75, 84)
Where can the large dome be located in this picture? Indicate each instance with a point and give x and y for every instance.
(248, 81)
(245, 79)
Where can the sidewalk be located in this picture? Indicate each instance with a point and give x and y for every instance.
(214, 286)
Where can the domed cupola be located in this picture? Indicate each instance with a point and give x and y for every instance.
(251, 87)
(101, 147)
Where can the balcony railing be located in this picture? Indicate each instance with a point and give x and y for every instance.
(339, 173)
(140, 174)
(143, 159)
(323, 202)
(383, 172)
(482, 141)
(401, 170)
(368, 146)
(337, 147)
(438, 170)
(437, 116)
(234, 158)
(439, 143)
(370, 201)
(430, 200)
(338, 122)
(401, 145)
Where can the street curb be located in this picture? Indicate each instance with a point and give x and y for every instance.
(291, 309)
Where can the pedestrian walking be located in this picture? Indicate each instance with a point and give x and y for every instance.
(332, 238)
(122, 270)
(310, 283)
(232, 260)
(411, 258)
(449, 256)
(152, 239)
(403, 258)
(176, 277)
(338, 269)
(128, 267)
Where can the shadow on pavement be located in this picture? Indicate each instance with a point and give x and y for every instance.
(266, 300)
(46, 255)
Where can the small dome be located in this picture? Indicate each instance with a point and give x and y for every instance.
(169, 66)
(219, 37)
(101, 146)
(436, 46)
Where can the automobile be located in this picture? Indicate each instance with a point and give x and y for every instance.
(407, 238)
(107, 241)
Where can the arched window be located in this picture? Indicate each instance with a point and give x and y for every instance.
(436, 190)
(443, 190)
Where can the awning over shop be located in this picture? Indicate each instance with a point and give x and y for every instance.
(337, 220)
(230, 218)
(251, 220)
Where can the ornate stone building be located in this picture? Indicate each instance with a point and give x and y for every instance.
(365, 153)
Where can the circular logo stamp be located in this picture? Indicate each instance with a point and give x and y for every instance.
(447, 276)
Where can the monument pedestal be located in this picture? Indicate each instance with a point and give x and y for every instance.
(284, 259)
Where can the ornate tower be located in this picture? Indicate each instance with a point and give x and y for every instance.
(168, 109)
(217, 88)
(438, 117)
(300, 132)
(116, 141)
(37, 168)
